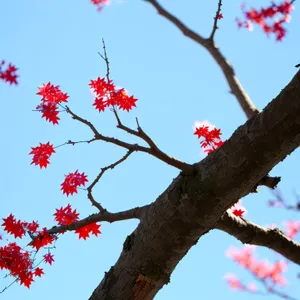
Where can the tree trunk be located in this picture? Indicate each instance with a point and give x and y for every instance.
(192, 205)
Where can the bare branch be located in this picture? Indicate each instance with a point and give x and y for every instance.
(235, 86)
(103, 170)
(185, 167)
(105, 216)
(105, 58)
(250, 233)
(69, 142)
(86, 122)
(140, 133)
(215, 26)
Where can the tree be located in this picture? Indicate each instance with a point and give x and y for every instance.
(197, 200)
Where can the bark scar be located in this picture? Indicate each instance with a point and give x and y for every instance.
(142, 287)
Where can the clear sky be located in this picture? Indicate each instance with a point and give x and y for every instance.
(176, 82)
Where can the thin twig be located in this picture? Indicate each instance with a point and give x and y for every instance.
(103, 170)
(215, 26)
(86, 122)
(69, 142)
(8, 286)
(280, 201)
(105, 58)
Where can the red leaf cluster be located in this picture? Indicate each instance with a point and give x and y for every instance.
(20, 262)
(13, 226)
(52, 96)
(84, 232)
(41, 154)
(17, 261)
(42, 238)
(211, 138)
(72, 182)
(107, 95)
(260, 17)
(17, 228)
(9, 75)
(66, 216)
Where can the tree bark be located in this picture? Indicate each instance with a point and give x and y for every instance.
(193, 204)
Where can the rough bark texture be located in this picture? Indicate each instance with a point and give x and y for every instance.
(192, 205)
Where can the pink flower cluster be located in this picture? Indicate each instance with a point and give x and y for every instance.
(271, 274)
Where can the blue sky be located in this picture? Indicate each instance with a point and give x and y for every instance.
(176, 83)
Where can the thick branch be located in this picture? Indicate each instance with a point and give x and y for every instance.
(235, 86)
(250, 233)
(193, 205)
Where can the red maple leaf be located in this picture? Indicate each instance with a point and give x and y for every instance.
(26, 279)
(42, 239)
(32, 227)
(38, 272)
(52, 94)
(72, 182)
(212, 138)
(124, 101)
(13, 226)
(49, 258)
(107, 95)
(84, 232)
(9, 75)
(41, 154)
(66, 216)
(238, 212)
(220, 16)
(49, 112)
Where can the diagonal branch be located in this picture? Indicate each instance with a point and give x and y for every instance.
(105, 216)
(250, 233)
(235, 86)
